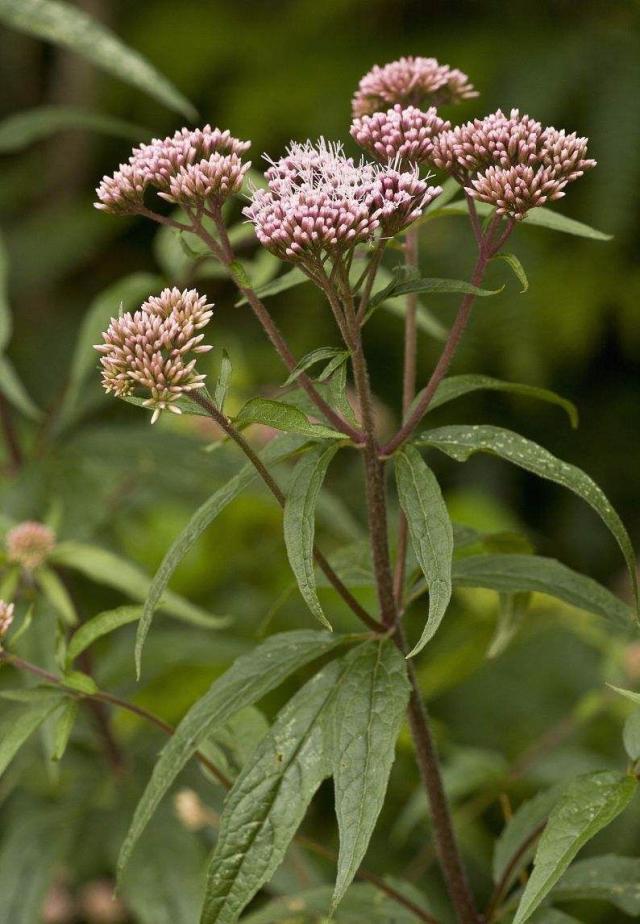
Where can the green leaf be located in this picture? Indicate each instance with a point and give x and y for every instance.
(299, 522)
(608, 878)
(362, 903)
(57, 595)
(431, 534)
(367, 716)
(107, 568)
(98, 626)
(222, 385)
(66, 25)
(78, 680)
(24, 128)
(282, 416)
(63, 728)
(269, 799)
(398, 287)
(461, 442)
(513, 609)
(288, 280)
(277, 451)
(540, 217)
(589, 804)
(316, 356)
(516, 266)
(247, 680)
(15, 392)
(516, 845)
(457, 385)
(628, 694)
(512, 573)
(5, 309)
(19, 724)
(631, 735)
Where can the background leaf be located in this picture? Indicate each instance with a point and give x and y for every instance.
(609, 878)
(282, 416)
(24, 128)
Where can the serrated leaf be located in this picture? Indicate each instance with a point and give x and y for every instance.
(222, 384)
(288, 280)
(461, 442)
(19, 724)
(367, 717)
(517, 268)
(63, 728)
(631, 735)
(608, 878)
(57, 595)
(315, 356)
(25, 128)
(431, 534)
(277, 451)
(516, 845)
(15, 392)
(299, 523)
(66, 25)
(540, 217)
(100, 625)
(269, 799)
(511, 573)
(247, 680)
(282, 416)
(457, 385)
(589, 804)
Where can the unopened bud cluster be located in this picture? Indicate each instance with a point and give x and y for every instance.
(29, 544)
(154, 349)
(404, 134)
(410, 81)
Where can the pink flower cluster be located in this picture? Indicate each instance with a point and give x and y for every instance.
(29, 544)
(150, 349)
(320, 203)
(406, 134)
(191, 167)
(411, 81)
(6, 617)
(517, 163)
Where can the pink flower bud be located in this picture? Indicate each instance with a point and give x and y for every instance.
(29, 544)
(411, 81)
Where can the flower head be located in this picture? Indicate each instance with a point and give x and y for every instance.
(403, 134)
(29, 544)
(6, 617)
(515, 190)
(150, 349)
(320, 203)
(204, 159)
(410, 81)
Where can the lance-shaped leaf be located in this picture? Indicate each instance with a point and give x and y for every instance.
(102, 624)
(15, 392)
(300, 525)
(66, 25)
(282, 416)
(18, 725)
(277, 451)
(516, 267)
(334, 356)
(367, 716)
(294, 277)
(24, 128)
(363, 902)
(589, 803)
(540, 217)
(247, 680)
(431, 533)
(461, 442)
(57, 594)
(513, 573)
(270, 797)
(609, 878)
(456, 386)
(63, 728)
(516, 845)
(222, 384)
(433, 286)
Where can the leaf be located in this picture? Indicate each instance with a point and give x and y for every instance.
(513, 609)
(24, 128)
(628, 694)
(125, 294)
(105, 567)
(516, 266)
(516, 845)
(398, 287)
(461, 442)
(540, 217)
(316, 356)
(269, 799)
(15, 392)
(19, 724)
(98, 626)
(57, 595)
(6, 323)
(608, 878)
(66, 25)
(589, 803)
(63, 728)
(277, 451)
(431, 534)
(368, 713)
(299, 522)
(222, 385)
(83, 683)
(247, 680)
(362, 903)
(282, 416)
(288, 280)
(457, 385)
(512, 573)
(631, 735)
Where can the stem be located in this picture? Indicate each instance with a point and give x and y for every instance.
(273, 486)
(372, 269)
(503, 885)
(10, 435)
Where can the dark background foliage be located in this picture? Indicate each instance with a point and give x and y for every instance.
(272, 71)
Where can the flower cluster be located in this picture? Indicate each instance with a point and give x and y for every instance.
(190, 167)
(6, 617)
(150, 349)
(518, 163)
(404, 134)
(30, 543)
(411, 81)
(320, 203)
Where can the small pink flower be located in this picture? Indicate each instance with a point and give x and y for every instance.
(209, 181)
(410, 81)
(6, 617)
(29, 543)
(403, 134)
(515, 190)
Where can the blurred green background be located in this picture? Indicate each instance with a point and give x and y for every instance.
(272, 71)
